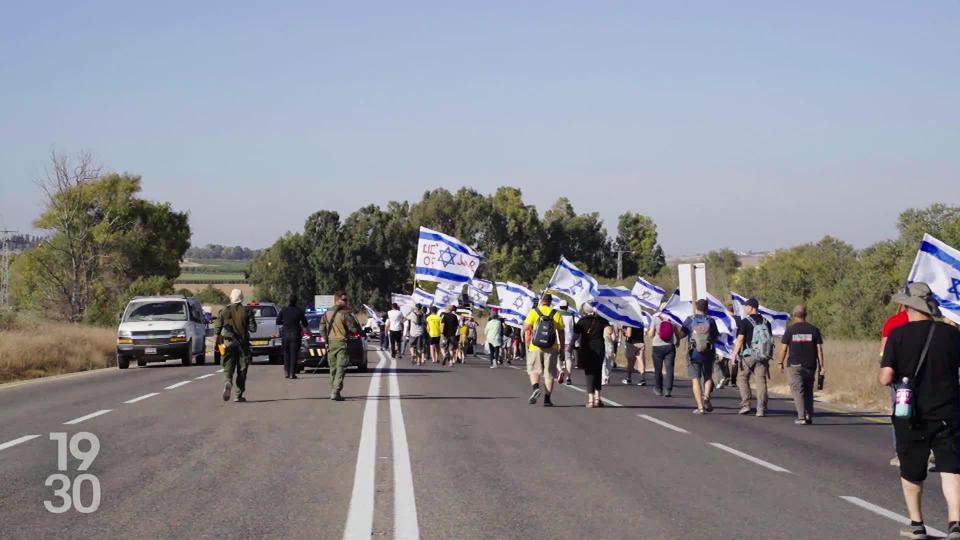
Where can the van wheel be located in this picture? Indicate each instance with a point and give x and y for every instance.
(186, 358)
(202, 357)
(123, 362)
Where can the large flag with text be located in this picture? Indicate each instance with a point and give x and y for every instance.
(938, 265)
(444, 259)
(571, 281)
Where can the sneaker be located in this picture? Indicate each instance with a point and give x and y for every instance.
(569, 381)
(227, 386)
(744, 410)
(722, 383)
(800, 422)
(916, 533)
(761, 413)
(657, 392)
(239, 399)
(493, 366)
(895, 462)
(643, 382)
(953, 531)
(535, 396)
(547, 402)
(707, 406)
(627, 382)
(698, 411)
(668, 393)
(337, 397)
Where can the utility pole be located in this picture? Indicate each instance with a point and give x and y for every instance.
(620, 253)
(5, 269)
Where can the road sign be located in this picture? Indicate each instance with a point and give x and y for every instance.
(323, 301)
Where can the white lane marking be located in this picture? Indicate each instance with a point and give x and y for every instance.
(87, 417)
(748, 457)
(177, 385)
(405, 523)
(610, 402)
(220, 370)
(880, 511)
(360, 513)
(141, 398)
(205, 376)
(659, 422)
(15, 442)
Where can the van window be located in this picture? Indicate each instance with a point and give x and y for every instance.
(262, 312)
(156, 311)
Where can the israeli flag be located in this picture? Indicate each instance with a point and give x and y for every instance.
(649, 295)
(516, 298)
(422, 297)
(619, 305)
(446, 296)
(569, 280)
(778, 319)
(510, 317)
(372, 313)
(677, 310)
(479, 291)
(444, 259)
(405, 301)
(938, 265)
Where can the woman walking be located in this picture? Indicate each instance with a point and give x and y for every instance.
(494, 335)
(665, 338)
(593, 332)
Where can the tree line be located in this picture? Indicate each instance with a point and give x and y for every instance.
(216, 251)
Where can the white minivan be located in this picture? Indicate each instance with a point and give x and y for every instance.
(158, 328)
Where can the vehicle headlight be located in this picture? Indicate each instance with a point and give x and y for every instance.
(178, 333)
(124, 334)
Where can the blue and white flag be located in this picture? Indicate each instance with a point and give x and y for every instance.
(444, 259)
(571, 281)
(405, 301)
(510, 317)
(677, 310)
(479, 291)
(778, 320)
(446, 295)
(649, 295)
(516, 298)
(938, 265)
(422, 297)
(618, 305)
(372, 313)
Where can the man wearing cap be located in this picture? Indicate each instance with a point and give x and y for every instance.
(924, 355)
(750, 363)
(233, 329)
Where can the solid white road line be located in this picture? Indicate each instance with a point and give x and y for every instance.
(360, 513)
(220, 370)
(141, 398)
(204, 376)
(177, 385)
(405, 523)
(87, 417)
(662, 423)
(880, 511)
(748, 457)
(15, 442)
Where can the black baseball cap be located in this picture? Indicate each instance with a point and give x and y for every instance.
(753, 303)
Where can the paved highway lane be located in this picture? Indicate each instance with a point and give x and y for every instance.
(436, 452)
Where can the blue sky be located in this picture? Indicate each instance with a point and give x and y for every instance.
(750, 125)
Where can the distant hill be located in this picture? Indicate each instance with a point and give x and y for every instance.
(223, 253)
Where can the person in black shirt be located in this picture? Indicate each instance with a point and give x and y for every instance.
(748, 364)
(802, 351)
(935, 421)
(592, 331)
(291, 321)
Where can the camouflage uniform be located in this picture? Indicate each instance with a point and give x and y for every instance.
(337, 325)
(234, 326)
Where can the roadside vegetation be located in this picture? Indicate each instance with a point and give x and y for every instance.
(33, 347)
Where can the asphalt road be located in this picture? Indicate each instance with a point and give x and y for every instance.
(435, 452)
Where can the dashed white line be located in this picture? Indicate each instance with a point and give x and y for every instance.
(659, 422)
(87, 417)
(748, 457)
(177, 385)
(205, 376)
(15, 442)
(880, 511)
(141, 398)
(405, 523)
(360, 512)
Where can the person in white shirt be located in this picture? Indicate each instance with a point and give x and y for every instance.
(567, 353)
(395, 328)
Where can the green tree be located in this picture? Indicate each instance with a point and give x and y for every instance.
(637, 234)
(581, 238)
(282, 269)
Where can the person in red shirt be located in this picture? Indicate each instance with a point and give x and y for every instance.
(897, 319)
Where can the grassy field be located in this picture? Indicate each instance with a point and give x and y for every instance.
(31, 348)
(212, 271)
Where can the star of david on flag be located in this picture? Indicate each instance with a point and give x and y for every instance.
(938, 265)
(569, 280)
(444, 259)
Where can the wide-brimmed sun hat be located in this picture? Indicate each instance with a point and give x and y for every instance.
(918, 297)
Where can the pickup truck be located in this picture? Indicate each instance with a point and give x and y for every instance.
(266, 340)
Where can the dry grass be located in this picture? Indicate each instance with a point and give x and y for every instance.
(225, 287)
(32, 348)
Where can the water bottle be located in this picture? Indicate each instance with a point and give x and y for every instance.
(903, 405)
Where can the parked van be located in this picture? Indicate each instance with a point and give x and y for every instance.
(159, 328)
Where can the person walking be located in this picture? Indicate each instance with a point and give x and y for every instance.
(232, 330)
(416, 331)
(634, 350)
(612, 340)
(754, 348)
(543, 333)
(802, 357)
(463, 334)
(394, 326)
(336, 326)
(897, 319)
(702, 334)
(434, 332)
(592, 331)
(665, 337)
(493, 333)
(725, 362)
(922, 358)
(568, 353)
(384, 334)
(450, 325)
(292, 322)
(471, 335)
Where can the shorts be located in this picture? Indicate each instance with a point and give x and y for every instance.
(449, 342)
(435, 341)
(697, 370)
(542, 361)
(634, 350)
(914, 444)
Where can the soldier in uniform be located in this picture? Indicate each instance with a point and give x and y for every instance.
(336, 325)
(233, 331)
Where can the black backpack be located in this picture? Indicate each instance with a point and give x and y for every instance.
(419, 319)
(544, 334)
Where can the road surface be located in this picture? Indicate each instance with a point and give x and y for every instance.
(435, 452)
